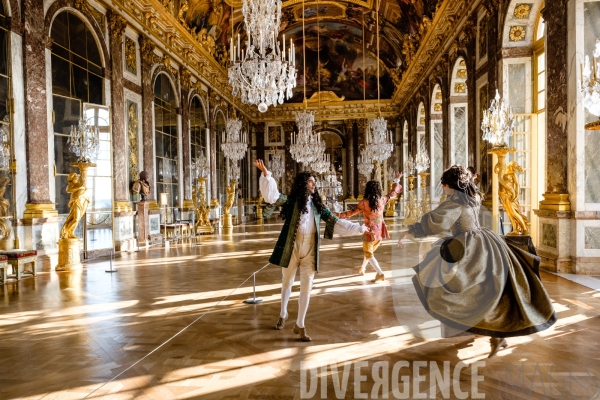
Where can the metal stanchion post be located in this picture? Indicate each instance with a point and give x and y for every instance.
(253, 300)
(111, 262)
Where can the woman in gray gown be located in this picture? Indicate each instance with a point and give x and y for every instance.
(475, 280)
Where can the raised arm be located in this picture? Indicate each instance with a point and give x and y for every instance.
(396, 189)
(268, 186)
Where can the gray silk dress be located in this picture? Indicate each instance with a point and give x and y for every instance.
(476, 280)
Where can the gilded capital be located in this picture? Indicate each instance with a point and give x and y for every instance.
(116, 24)
(186, 79)
(147, 47)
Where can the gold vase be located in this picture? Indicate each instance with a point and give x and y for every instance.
(508, 190)
(202, 210)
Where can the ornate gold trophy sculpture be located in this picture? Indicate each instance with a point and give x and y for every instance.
(497, 125)
(422, 163)
(200, 169)
(259, 211)
(84, 142)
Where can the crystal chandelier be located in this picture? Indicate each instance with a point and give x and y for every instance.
(378, 146)
(235, 142)
(234, 172)
(276, 166)
(422, 161)
(200, 167)
(306, 147)
(379, 140)
(84, 141)
(590, 86)
(322, 164)
(498, 123)
(365, 163)
(263, 73)
(4, 145)
(409, 165)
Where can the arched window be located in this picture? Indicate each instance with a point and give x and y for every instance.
(458, 114)
(166, 142)
(197, 128)
(437, 144)
(221, 160)
(78, 83)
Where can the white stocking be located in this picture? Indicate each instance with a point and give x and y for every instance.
(364, 264)
(375, 265)
(303, 300)
(286, 292)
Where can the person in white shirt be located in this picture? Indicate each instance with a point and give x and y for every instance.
(299, 240)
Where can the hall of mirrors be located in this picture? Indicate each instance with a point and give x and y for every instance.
(154, 86)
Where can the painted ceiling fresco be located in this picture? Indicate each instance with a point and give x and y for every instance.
(344, 69)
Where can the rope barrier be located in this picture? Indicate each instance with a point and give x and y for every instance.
(178, 333)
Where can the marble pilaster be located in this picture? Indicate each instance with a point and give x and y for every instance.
(212, 118)
(350, 159)
(147, 55)
(185, 139)
(555, 16)
(362, 142)
(117, 27)
(39, 203)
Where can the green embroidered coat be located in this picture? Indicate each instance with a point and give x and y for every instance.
(285, 244)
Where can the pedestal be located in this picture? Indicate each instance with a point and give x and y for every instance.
(227, 221)
(143, 222)
(68, 254)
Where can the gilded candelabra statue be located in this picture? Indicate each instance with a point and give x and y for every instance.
(231, 196)
(497, 126)
(200, 170)
(5, 228)
(509, 195)
(411, 208)
(84, 142)
(259, 210)
(391, 206)
(412, 213)
(202, 210)
(425, 204)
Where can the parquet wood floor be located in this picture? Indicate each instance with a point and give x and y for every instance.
(64, 335)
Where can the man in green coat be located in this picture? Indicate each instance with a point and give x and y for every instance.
(299, 240)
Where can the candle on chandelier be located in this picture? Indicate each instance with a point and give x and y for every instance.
(231, 50)
(283, 51)
(238, 46)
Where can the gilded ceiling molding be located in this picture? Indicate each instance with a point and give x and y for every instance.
(181, 42)
(450, 15)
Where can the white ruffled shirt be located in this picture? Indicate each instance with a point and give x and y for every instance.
(270, 193)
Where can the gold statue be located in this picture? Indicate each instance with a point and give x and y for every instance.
(202, 211)
(77, 204)
(231, 195)
(259, 210)
(5, 229)
(411, 212)
(509, 195)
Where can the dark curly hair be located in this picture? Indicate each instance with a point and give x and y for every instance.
(460, 179)
(300, 193)
(373, 194)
